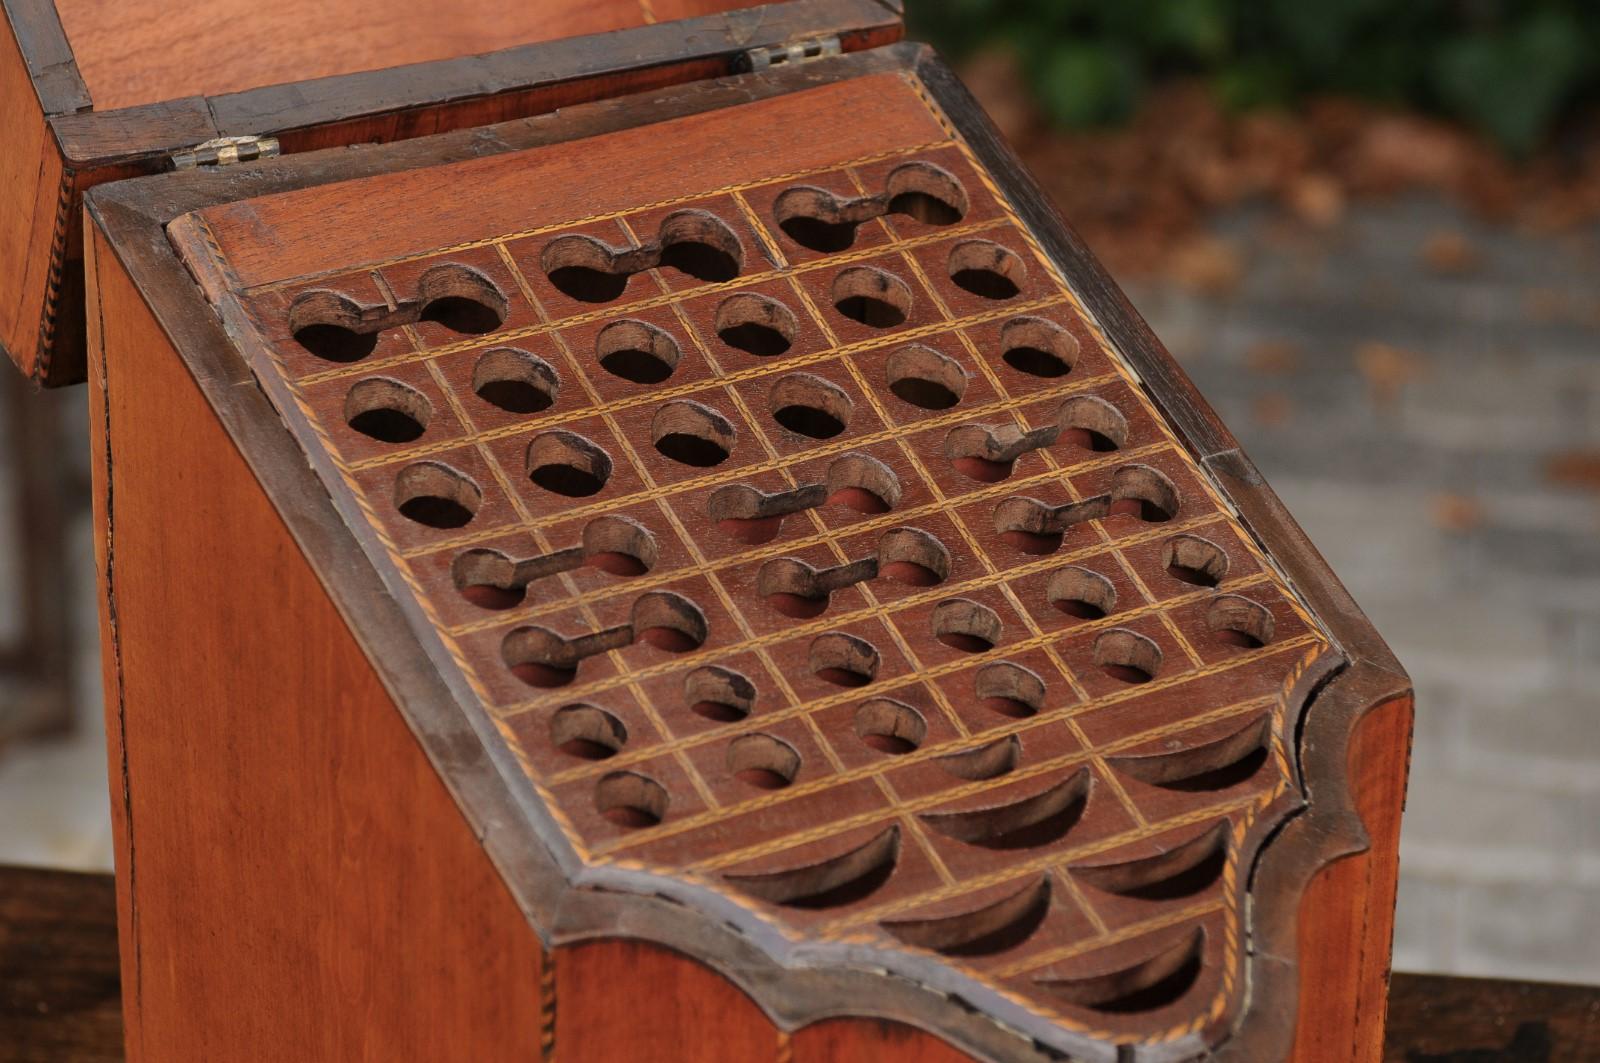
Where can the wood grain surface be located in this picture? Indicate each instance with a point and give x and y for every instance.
(133, 52)
(60, 991)
(59, 998)
(1347, 915)
(281, 838)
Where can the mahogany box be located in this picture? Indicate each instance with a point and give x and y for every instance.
(691, 559)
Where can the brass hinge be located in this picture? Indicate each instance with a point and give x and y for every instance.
(225, 151)
(794, 52)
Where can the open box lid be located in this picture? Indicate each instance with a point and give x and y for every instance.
(100, 90)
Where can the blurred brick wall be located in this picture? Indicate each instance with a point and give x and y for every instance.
(1424, 393)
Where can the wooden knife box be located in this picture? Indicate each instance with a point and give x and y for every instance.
(715, 571)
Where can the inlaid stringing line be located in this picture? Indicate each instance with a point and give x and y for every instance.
(1002, 582)
(891, 685)
(522, 234)
(619, 662)
(502, 336)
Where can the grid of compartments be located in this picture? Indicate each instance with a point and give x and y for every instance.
(806, 539)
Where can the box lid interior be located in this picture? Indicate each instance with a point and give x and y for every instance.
(134, 52)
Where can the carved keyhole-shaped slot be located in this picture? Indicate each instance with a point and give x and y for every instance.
(890, 726)
(515, 381)
(1195, 561)
(1127, 655)
(1142, 492)
(989, 453)
(461, 299)
(492, 580)
(762, 761)
(700, 245)
(987, 269)
(630, 799)
(843, 660)
(1036, 527)
(874, 297)
(810, 406)
(1091, 423)
(1081, 593)
(1238, 621)
(926, 378)
(587, 732)
(966, 625)
(566, 463)
(817, 219)
(336, 329)
(1038, 347)
(387, 410)
(333, 327)
(437, 496)
(906, 555)
(856, 481)
(693, 242)
(756, 325)
(637, 351)
(719, 694)
(1009, 689)
(692, 434)
(541, 657)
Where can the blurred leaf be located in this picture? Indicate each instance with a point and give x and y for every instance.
(1084, 85)
(1512, 67)
(1200, 28)
(1255, 83)
(1512, 84)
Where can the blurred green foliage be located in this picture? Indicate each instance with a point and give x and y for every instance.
(1512, 69)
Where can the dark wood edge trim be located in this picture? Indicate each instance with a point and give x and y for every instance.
(44, 47)
(602, 902)
(132, 134)
(1328, 829)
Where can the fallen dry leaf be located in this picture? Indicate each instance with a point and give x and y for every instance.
(1273, 409)
(1450, 252)
(1140, 193)
(1387, 369)
(1457, 513)
(1545, 305)
(1575, 468)
(1272, 357)
(1207, 265)
(1316, 199)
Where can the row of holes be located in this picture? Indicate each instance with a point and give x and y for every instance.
(693, 434)
(335, 328)
(885, 724)
(695, 243)
(623, 547)
(542, 658)
(522, 383)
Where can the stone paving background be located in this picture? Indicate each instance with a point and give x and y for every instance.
(1424, 393)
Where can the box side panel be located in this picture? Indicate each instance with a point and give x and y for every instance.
(1347, 914)
(295, 881)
